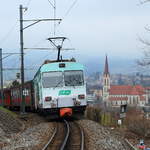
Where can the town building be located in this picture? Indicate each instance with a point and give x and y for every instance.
(116, 95)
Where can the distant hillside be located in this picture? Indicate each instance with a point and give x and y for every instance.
(117, 65)
(92, 64)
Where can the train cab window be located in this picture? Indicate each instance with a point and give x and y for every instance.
(73, 78)
(52, 79)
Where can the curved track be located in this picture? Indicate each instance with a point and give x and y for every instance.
(66, 136)
(59, 137)
(76, 137)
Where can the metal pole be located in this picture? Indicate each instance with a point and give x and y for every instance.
(58, 56)
(1, 70)
(22, 60)
(54, 17)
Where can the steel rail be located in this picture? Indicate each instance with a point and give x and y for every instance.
(82, 136)
(50, 140)
(130, 145)
(66, 137)
(65, 141)
(82, 139)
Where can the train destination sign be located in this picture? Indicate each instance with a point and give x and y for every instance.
(65, 92)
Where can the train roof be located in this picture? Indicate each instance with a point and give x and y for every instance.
(60, 66)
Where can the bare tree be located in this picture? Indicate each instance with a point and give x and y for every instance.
(145, 61)
(144, 1)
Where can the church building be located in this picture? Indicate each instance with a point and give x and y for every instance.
(116, 95)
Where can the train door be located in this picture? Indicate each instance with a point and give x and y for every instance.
(36, 95)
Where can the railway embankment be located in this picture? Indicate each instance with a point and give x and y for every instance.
(31, 132)
(23, 133)
(9, 125)
(102, 138)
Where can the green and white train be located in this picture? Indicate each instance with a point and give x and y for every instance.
(60, 88)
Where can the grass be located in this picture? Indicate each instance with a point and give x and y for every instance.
(104, 118)
(8, 111)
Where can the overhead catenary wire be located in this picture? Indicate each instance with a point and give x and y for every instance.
(28, 3)
(68, 11)
(54, 6)
(51, 3)
(2, 40)
(40, 59)
(10, 76)
(70, 8)
(5, 38)
(66, 14)
(54, 17)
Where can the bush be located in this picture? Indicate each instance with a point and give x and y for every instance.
(93, 113)
(137, 123)
(96, 114)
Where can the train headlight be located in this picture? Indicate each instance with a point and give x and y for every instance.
(47, 99)
(82, 96)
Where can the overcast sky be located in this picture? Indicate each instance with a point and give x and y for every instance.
(94, 28)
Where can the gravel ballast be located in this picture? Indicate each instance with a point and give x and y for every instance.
(33, 131)
(101, 138)
(17, 132)
(9, 124)
(32, 138)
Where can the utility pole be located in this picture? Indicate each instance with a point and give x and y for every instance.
(1, 70)
(22, 60)
(22, 28)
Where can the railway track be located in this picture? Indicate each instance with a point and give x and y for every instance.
(76, 137)
(66, 136)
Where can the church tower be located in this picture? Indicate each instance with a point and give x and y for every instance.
(106, 81)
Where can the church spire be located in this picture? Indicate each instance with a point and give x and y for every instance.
(106, 70)
(106, 81)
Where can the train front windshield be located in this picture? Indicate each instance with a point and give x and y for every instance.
(52, 79)
(73, 78)
(59, 79)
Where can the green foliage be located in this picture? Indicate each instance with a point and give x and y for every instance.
(104, 118)
(8, 111)
(107, 119)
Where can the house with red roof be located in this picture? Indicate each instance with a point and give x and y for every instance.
(116, 95)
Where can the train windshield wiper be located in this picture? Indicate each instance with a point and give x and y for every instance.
(58, 84)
